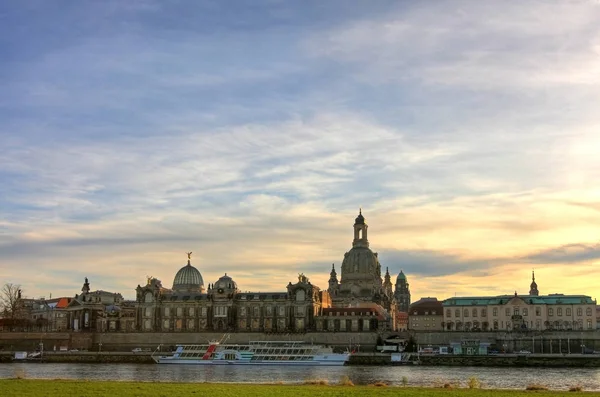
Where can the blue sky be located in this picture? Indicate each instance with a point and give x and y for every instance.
(251, 132)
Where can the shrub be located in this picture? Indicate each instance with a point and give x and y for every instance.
(322, 382)
(379, 384)
(473, 383)
(345, 381)
(404, 381)
(576, 388)
(535, 386)
(448, 386)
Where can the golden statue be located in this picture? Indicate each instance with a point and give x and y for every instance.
(189, 254)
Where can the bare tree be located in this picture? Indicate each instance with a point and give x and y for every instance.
(10, 301)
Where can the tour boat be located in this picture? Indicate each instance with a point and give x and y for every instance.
(255, 353)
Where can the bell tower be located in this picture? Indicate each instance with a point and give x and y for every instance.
(360, 231)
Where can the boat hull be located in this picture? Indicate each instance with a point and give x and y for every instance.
(256, 362)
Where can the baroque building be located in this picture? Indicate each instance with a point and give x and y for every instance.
(360, 280)
(99, 311)
(521, 312)
(190, 307)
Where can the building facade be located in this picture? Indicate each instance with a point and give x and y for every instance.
(190, 307)
(520, 312)
(402, 293)
(426, 314)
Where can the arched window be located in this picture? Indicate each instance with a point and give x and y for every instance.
(588, 311)
(466, 313)
(579, 311)
(474, 311)
(525, 312)
(448, 313)
(457, 313)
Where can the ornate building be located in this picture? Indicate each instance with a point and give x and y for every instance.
(189, 307)
(100, 311)
(360, 274)
(402, 293)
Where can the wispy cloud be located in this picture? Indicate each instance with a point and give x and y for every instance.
(132, 133)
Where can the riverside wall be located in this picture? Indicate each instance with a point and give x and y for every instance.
(536, 342)
(547, 342)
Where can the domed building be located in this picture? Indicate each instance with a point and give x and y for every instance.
(188, 278)
(188, 307)
(361, 273)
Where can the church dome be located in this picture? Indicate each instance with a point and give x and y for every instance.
(225, 283)
(188, 278)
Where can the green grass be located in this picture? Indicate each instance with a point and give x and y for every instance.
(65, 388)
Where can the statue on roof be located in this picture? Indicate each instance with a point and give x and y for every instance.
(189, 254)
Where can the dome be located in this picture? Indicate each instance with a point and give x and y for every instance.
(225, 283)
(188, 278)
(401, 276)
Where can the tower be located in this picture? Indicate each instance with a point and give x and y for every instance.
(533, 289)
(402, 293)
(360, 231)
(333, 281)
(387, 283)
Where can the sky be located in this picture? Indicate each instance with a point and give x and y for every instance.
(251, 132)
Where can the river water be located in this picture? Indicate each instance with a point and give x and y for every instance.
(503, 378)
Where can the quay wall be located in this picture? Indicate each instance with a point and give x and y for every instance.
(546, 342)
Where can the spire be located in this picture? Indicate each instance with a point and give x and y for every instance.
(533, 289)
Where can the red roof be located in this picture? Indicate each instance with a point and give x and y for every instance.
(63, 303)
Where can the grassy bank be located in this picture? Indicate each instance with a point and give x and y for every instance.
(30, 387)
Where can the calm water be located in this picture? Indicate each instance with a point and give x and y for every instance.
(505, 378)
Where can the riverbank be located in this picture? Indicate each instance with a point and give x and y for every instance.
(60, 388)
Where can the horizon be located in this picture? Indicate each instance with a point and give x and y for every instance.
(251, 134)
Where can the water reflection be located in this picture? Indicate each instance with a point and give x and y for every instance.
(505, 378)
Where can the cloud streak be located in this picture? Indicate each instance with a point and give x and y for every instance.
(132, 133)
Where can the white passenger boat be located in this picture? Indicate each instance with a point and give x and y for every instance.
(255, 353)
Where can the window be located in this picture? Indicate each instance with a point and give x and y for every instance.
(559, 311)
(495, 312)
(203, 311)
(179, 312)
(243, 312)
(300, 295)
(448, 313)
(483, 312)
(148, 311)
(568, 311)
(588, 311)
(282, 310)
(191, 311)
(538, 311)
(256, 311)
(466, 313)
(525, 312)
(167, 312)
(474, 312)
(269, 310)
(579, 311)
(220, 311)
(457, 313)
(507, 312)
(550, 311)
(589, 323)
(495, 325)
